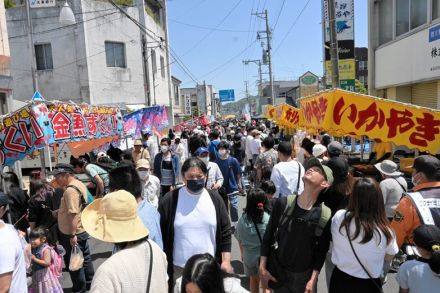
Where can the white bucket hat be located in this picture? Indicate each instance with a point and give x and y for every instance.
(318, 149)
(388, 167)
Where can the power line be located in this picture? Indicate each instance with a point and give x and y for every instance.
(211, 31)
(209, 28)
(292, 26)
(279, 14)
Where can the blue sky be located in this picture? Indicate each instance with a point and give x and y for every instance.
(213, 37)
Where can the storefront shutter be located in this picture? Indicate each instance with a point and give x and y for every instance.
(425, 95)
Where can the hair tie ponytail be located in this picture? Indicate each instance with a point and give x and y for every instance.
(435, 247)
(260, 205)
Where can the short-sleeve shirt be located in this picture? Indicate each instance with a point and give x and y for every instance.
(12, 258)
(143, 154)
(266, 161)
(94, 170)
(417, 276)
(70, 208)
(247, 236)
(230, 170)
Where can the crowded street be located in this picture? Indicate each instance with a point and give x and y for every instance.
(195, 146)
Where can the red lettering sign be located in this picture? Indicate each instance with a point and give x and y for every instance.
(61, 126)
(399, 120)
(426, 130)
(91, 124)
(78, 125)
(9, 141)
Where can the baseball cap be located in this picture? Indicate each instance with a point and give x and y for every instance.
(4, 199)
(62, 168)
(318, 149)
(326, 171)
(335, 148)
(427, 164)
(339, 168)
(427, 236)
(201, 150)
(143, 163)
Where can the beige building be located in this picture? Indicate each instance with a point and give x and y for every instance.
(404, 51)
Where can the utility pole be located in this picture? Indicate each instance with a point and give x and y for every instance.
(260, 75)
(333, 43)
(206, 96)
(268, 50)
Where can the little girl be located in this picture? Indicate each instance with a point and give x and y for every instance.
(43, 280)
(249, 233)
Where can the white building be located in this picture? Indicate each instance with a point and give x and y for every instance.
(102, 59)
(404, 51)
(204, 99)
(5, 78)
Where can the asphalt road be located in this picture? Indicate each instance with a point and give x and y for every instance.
(101, 251)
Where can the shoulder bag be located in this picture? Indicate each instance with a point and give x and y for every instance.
(379, 287)
(150, 270)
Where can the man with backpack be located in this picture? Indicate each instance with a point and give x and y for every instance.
(297, 237)
(231, 172)
(96, 172)
(72, 232)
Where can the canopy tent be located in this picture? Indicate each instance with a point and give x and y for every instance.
(42, 123)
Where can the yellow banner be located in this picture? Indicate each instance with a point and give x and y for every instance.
(347, 113)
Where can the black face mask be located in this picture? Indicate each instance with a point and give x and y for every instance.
(195, 186)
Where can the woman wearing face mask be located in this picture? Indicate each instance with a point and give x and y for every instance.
(215, 177)
(194, 220)
(150, 183)
(166, 166)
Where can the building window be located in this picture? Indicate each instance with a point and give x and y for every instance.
(385, 21)
(363, 79)
(402, 17)
(115, 54)
(435, 9)
(419, 13)
(363, 65)
(162, 66)
(153, 62)
(3, 104)
(176, 95)
(43, 55)
(154, 10)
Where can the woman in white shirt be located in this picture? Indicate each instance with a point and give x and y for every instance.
(202, 274)
(363, 257)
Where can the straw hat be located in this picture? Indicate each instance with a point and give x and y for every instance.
(114, 218)
(388, 167)
(143, 163)
(138, 142)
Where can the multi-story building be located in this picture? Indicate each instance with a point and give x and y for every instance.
(203, 99)
(404, 51)
(361, 60)
(5, 78)
(178, 102)
(105, 58)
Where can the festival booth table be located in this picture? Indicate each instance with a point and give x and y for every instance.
(42, 123)
(346, 113)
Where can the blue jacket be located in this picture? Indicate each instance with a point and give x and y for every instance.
(158, 166)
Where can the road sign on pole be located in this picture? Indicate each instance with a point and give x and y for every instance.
(226, 95)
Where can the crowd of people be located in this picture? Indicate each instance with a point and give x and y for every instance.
(170, 209)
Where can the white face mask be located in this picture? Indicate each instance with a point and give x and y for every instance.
(205, 160)
(164, 148)
(143, 174)
(222, 152)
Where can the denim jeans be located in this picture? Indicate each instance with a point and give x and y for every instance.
(233, 206)
(85, 274)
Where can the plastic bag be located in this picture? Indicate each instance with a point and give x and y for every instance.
(76, 259)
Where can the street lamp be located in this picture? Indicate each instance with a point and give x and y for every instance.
(66, 15)
(67, 18)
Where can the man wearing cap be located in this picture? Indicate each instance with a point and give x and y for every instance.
(301, 243)
(12, 262)
(319, 151)
(139, 265)
(72, 232)
(139, 152)
(393, 186)
(422, 205)
(150, 183)
(334, 149)
(215, 177)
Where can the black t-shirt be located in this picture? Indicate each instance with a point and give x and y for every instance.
(299, 249)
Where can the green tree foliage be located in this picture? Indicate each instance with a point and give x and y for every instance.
(9, 3)
(360, 87)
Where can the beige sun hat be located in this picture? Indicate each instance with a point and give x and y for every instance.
(114, 218)
(143, 163)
